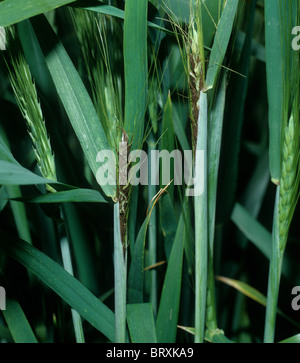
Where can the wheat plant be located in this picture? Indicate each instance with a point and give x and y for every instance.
(111, 113)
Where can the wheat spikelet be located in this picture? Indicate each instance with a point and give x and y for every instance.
(93, 31)
(289, 183)
(27, 98)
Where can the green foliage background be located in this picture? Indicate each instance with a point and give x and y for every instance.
(149, 99)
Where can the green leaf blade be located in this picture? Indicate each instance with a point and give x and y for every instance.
(136, 69)
(18, 324)
(15, 174)
(11, 12)
(75, 99)
(69, 196)
(275, 67)
(136, 270)
(62, 283)
(221, 42)
(167, 318)
(141, 323)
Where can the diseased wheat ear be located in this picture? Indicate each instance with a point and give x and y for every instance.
(196, 67)
(289, 183)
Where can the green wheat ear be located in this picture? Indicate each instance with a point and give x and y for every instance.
(27, 98)
(290, 178)
(93, 31)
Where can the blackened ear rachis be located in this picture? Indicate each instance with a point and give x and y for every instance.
(124, 191)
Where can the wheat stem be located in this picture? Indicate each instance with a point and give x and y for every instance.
(286, 201)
